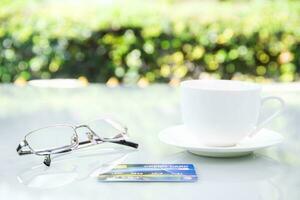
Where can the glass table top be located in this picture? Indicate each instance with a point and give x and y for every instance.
(272, 173)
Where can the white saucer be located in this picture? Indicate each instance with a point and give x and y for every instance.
(178, 136)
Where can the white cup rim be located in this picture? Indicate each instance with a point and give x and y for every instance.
(220, 85)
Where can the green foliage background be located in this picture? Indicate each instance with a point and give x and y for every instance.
(156, 41)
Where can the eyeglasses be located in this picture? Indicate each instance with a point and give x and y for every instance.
(65, 138)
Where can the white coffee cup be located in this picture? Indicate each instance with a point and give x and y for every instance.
(222, 112)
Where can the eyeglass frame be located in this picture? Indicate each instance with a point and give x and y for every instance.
(94, 139)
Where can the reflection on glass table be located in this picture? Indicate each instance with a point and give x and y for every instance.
(243, 177)
(78, 166)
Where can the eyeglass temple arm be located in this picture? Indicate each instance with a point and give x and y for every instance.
(122, 142)
(47, 160)
(126, 143)
(23, 152)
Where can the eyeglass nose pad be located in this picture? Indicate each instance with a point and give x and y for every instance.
(90, 136)
(74, 139)
(47, 160)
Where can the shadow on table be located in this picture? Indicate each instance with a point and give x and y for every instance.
(77, 166)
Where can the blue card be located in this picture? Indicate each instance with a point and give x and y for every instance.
(150, 173)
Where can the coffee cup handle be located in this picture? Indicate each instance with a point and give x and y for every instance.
(270, 118)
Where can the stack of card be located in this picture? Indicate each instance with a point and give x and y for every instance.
(150, 173)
